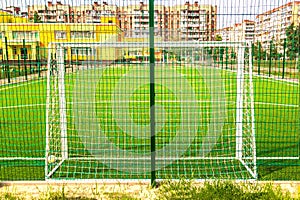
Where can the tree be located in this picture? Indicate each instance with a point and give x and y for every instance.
(218, 38)
(258, 51)
(218, 52)
(292, 41)
(36, 18)
(273, 51)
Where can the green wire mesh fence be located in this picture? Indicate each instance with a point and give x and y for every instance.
(150, 90)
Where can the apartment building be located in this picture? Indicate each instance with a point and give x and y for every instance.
(92, 13)
(226, 33)
(244, 31)
(271, 25)
(134, 20)
(50, 13)
(64, 13)
(195, 21)
(188, 21)
(179, 22)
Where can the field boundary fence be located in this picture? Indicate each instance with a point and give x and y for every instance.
(151, 92)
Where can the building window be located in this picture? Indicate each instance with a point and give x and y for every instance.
(60, 34)
(23, 53)
(25, 35)
(82, 35)
(83, 51)
(2, 35)
(14, 49)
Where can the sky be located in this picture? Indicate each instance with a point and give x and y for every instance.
(229, 11)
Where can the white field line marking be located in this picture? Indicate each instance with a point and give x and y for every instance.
(277, 104)
(22, 106)
(143, 158)
(169, 101)
(19, 84)
(274, 79)
(287, 82)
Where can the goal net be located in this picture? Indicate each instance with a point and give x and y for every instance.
(99, 124)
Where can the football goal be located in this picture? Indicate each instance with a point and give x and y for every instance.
(98, 121)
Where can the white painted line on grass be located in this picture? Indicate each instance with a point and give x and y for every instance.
(19, 84)
(22, 106)
(277, 104)
(274, 79)
(168, 101)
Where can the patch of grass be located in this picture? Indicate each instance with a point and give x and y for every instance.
(52, 194)
(62, 193)
(10, 195)
(219, 190)
(119, 195)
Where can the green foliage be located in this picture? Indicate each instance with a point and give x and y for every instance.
(258, 52)
(225, 190)
(273, 51)
(9, 196)
(119, 195)
(36, 18)
(52, 194)
(293, 41)
(218, 38)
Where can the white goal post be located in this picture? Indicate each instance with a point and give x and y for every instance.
(90, 136)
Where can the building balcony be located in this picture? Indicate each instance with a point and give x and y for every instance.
(51, 8)
(193, 20)
(249, 38)
(51, 20)
(50, 14)
(141, 25)
(143, 19)
(193, 25)
(192, 31)
(282, 37)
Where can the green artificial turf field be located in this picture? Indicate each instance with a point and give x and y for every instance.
(23, 123)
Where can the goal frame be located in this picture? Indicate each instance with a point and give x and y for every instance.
(240, 46)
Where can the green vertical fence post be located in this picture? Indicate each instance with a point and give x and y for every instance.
(3, 68)
(24, 59)
(298, 67)
(30, 64)
(283, 61)
(232, 58)
(252, 51)
(38, 60)
(221, 56)
(152, 91)
(7, 64)
(77, 62)
(259, 58)
(226, 58)
(19, 65)
(270, 61)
